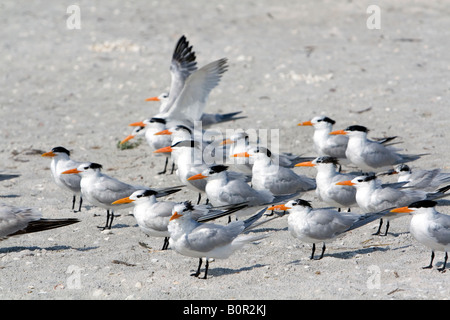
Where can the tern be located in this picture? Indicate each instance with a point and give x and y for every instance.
(239, 143)
(188, 157)
(372, 196)
(20, 220)
(322, 224)
(429, 227)
(369, 155)
(268, 175)
(224, 187)
(102, 190)
(324, 143)
(328, 174)
(420, 178)
(191, 238)
(61, 162)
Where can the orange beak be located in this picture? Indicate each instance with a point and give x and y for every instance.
(175, 216)
(305, 164)
(127, 138)
(196, 177)
(164, 150)
(152, 99)
(164, 132)
(137, 124)
(345, 183)
(280, 207)
(241, 154)
(48, 154)
(338, 132)
(402, 210)
(226, 141)
(306, 123)
(71, 171)
(123, 200)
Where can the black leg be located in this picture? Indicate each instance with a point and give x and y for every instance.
(81, 202)
(323, 251)
(73, 201)
(166, 243)
(349, 210)
(313, 250)
(387, 228)
(431, 262)
(111, 220)
(379, 228)
(206, 268)
(199, 198)
(198, 270)
(445, 263)
(165, 166)
(173, 168)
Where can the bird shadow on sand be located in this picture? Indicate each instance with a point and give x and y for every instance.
(10, 196)
(220, 271)
(35, 248)
(349, 254)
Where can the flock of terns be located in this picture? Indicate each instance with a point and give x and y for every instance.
(253, 185)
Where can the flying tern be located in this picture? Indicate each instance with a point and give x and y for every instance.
(61, 162)
(191, 238)
(369, 155)
(322, 224)
(429, 227)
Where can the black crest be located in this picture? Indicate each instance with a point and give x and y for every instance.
(423, 204)
(357, 128)
(159, 120)
(327, 159)
(61, 150)
(326, 119)
(263, 150)
(301, 202)
(189, 206)
(94, 165)
(149, 192)
(218, 168)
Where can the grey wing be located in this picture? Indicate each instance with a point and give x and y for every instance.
(441, 229)
(325, 223)
(109, 189)
(183, 64)
(237, 192)
(13, 219)
(336, 146)
(207, 237)
(190, 104)
(377, 155)
(391, 197)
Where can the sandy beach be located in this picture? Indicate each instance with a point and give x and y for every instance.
(80, 85)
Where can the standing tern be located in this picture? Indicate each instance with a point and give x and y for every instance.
(268, 175)
(324, 143)
(225, 187)
(372, 196)
(152, 216)
(239, 143)
(102, 190)
(369, 155)
(191, 238)
(429, 227)
(420, 178)
(20, 220)
(328, 175)
(321, 225)
(188, 157)
(61, 162)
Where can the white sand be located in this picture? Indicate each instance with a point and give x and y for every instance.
(288, 62)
